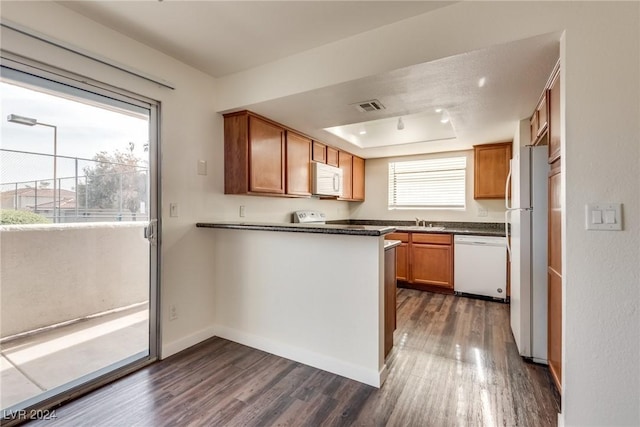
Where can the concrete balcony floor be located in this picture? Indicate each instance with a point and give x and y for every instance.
(33, 364)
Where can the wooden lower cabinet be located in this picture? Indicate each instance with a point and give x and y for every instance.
(389, 298)
(424, 261)
(554, 327)
(402, 255)
(432, 265)
(402, 262)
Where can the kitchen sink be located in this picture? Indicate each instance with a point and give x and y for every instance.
(423, 228)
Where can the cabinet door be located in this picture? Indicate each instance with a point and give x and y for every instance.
(389, 298)
(298, 165)
(319, 152)
(332, 156)
(358, 178)
(554, 312)
(402, 262)
(432, 265)
(533, 125)
(266, 157)
(491, 163)
(345, 162)
(542, 113)
(554, 118)
(554, 327)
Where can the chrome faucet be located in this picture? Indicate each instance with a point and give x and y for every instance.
(421, 221)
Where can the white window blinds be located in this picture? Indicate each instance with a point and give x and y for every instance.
(431, 183)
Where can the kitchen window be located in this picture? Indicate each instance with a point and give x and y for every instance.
(428, 184)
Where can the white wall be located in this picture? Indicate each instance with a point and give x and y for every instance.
(313, 298)
(601, 59)
(376, 201)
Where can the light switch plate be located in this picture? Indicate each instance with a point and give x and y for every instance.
(603, 216)
(202, 167)
(173, 210)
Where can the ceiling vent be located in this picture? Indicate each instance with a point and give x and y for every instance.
(368, 106)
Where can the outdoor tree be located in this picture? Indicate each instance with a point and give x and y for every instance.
(115, 181)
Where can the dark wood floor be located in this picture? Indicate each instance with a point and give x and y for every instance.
(454, 364)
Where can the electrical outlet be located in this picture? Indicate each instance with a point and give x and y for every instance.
(242, 211)
(483, 212)
(173, 312)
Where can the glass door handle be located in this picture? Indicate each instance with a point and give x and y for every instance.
(151, 232)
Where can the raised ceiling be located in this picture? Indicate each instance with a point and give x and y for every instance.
(513, 74)
(222, 38)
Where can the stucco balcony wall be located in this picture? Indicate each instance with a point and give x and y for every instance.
(54, 273)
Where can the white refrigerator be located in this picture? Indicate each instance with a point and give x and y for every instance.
(526, 213)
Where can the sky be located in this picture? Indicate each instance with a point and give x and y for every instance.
(83, 130)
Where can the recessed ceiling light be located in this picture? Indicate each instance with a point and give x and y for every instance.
(444, 119)
(363, 132)
(438, 110)
(482, 82)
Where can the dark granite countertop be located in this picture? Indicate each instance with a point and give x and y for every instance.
(348, 229)
(466, 228)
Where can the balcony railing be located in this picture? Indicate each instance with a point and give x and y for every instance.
(56, 273)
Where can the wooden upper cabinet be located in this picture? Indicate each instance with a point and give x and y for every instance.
(533, 124)
(262, 157)
(554, 117)
(254, 155)
(345, 162)
(266, 157)
(358, 178)
(542, 112)
(319, 153)
(540, 121)
(491, 163)
(332, 156)
(298, 170)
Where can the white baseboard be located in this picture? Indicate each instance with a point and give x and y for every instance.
(560, 419)
(371, 377)
(186, 342)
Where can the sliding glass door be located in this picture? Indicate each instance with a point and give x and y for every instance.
(78, 269)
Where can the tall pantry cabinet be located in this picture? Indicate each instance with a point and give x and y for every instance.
(554, 266)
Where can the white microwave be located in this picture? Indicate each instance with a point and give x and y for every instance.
(327, 180)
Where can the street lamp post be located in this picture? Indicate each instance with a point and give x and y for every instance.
(27, 121)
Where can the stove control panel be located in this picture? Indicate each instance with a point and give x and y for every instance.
(309, 216)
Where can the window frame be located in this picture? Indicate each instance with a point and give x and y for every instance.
(440, 171)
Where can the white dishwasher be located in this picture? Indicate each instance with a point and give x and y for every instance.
(480, 266)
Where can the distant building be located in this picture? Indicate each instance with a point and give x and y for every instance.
(38, 200)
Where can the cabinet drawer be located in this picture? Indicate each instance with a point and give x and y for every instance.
(404, 237)
(434, 239)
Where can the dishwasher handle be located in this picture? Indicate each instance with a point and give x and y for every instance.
(480, 240)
